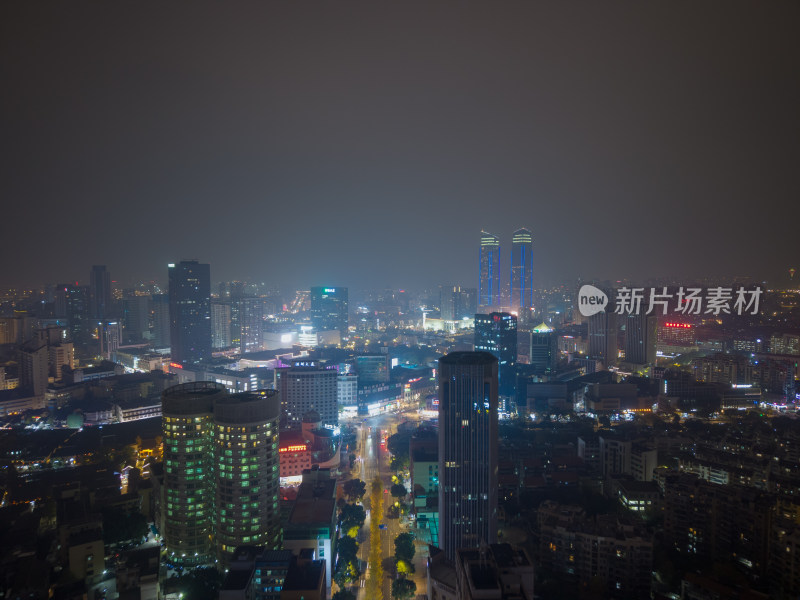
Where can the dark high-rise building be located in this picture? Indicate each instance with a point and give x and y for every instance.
(190, 311)
(468, 446)
(497, 333)
(72, 303)
(543, 349)
(641, 332)
(329, 309)
(603, 338)
(136, 316)
(100, 293)
(161, 323)
(522, 269)
(489, 274)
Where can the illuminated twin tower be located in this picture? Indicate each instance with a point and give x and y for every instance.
(490, 292)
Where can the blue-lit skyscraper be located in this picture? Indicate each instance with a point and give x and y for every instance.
(489, 270)
(190, 311)
(522, 269)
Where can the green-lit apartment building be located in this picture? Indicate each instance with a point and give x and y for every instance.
(221, 472)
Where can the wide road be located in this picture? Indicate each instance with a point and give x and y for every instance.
(375, 461)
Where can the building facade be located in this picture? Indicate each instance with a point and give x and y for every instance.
(468, 446)
(496, 333)
(489, 270)
(190, 311)
(307, 386)
(522, 269)
(329, 309)
(221, 471)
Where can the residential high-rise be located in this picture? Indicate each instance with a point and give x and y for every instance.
(221, 471)
(220, 325)
(190, 311)
(641, 332)
(247, 471)
(251, 324)
(497, 333)
(522, 269)
(468, 447)
(329, 309)
(188, 432)
(489, 270)
(307, 386)
(100, 293)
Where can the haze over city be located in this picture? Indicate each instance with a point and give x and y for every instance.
(369, 144)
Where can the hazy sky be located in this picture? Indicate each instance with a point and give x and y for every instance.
(369, 143)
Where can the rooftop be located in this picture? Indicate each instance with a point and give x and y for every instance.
(305, 575)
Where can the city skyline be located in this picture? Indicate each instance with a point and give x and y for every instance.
(600, 130)
(340, 301)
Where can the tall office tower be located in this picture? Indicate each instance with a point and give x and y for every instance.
(522, 269)
(489, 276)
(543, 349)
(468, 445)
(220, 325)
(251, 324)
(641, 333)
(136, 316)
(161, 324)
(307, 386)
(100, 293)
(188, 433)
(190, 311)
(603, 338)
(247, 471)
(221, 471)
(329, 309)
(497, 333)
(72, 303)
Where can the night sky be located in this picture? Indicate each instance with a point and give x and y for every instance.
(367, 144)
